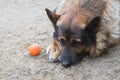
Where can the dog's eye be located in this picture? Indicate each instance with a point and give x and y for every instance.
(76, 43)
(62, 41)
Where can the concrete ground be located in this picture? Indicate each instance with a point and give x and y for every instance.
(23, 22)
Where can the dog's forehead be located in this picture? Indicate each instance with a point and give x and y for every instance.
(72, 23)
(79, 21)
(73, 20)
(64, 20)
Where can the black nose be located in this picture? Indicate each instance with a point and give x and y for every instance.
(66, 64)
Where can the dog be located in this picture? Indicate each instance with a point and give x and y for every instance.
(83, 27)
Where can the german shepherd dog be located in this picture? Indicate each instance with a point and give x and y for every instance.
(83, 27)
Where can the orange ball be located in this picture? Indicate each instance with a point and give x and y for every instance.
(34, 49)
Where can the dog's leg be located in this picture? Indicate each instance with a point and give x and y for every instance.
(53, 51)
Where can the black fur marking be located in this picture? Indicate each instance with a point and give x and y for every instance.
(53, 17)
(94, 25)
(55, 35)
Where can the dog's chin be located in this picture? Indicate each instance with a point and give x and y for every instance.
(78, 59)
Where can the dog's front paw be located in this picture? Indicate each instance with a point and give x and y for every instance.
(53, 53)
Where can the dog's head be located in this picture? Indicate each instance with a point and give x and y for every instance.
(75, 33)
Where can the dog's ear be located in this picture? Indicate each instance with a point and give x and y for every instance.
(52, 16)
(94, 25)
